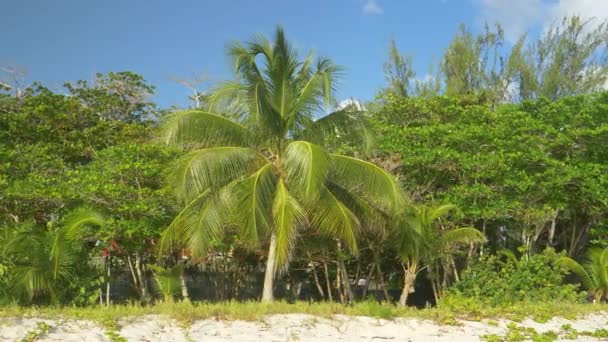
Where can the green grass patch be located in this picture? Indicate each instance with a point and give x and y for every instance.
(254, 311)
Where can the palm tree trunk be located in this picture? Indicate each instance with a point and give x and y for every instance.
(184, 288)
(408, 287)
(267, 292)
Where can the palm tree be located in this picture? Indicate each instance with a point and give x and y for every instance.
(593, 272)
(48, 258)
(258, 161)
(168, 280)
(419, 242)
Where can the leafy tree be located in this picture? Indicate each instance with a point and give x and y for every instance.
(120, 96)
(253, 169)
(571, 58)
(398, 72)
(593, 272)
(473, 64)
(420, 243)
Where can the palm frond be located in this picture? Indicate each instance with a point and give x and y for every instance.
(206, 129)
(288, 218)
(215, 167)
(307, 167)
(368, 180)
(330, 216)
(340, 127)
(461, 235)
(579, 270)
(250, 202)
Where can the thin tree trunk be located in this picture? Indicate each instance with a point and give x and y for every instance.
(348, 291)
(328, 282)
(315, 276)
(267, 292)
(108, 267)
(552, 228)
(134, 276)
(483, 230)
(387, 297)
(456, 277)
(142, 278)
(367, 281)
(435, 294)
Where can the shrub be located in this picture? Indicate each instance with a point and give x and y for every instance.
(497, 280)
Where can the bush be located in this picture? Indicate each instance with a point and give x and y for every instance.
(497, 280)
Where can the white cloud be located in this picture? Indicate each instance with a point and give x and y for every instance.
(371, 7)
(351, 102)
(518, 16)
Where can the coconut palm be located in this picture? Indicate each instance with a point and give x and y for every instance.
(258, 161)
(419, 242)
(48, 258)
(168, 280)
(593, 272)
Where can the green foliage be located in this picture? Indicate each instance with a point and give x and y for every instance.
(495, 281)
(593, 272)
(168, 280)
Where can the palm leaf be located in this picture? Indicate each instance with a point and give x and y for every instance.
(202, 169)
(368, 180)
(288, 217)
(576, 268)
(461, 235)
(307, 168)
(205, 128)
(332, 217)
(340, 127)
(250, 202)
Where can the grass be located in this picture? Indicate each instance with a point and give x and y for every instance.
(255, 311)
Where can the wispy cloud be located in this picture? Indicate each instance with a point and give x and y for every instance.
(371, 7)
(518, 16)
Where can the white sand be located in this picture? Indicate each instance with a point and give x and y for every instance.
(292, 327)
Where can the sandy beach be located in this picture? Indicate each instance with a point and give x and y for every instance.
(290, 327)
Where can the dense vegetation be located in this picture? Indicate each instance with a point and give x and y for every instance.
(479, 186)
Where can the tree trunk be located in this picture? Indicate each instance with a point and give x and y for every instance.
(328, 282)
(267, 292)
(408, 287)
(348, 291)
(134, 276)
(142, 278)
(367, 281)
(387, 297)
(182, 282)
(552, 228)
(108, 267)
(316, 277)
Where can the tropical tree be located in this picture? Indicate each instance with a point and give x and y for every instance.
(419, 242)
(593, 272)
(168, 280)
(258, 161)
(46, 259)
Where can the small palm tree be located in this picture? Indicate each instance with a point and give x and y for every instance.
(419, 241)
(259, 164)
(593, 272)
(47, 258)
(168, 280)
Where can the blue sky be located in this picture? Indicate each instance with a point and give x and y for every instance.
(67, 40)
